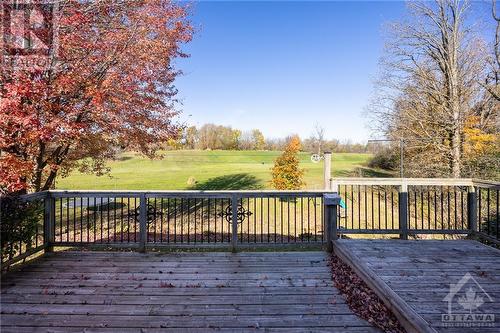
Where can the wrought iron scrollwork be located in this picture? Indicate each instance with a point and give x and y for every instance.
(152, 213)
(242, 213)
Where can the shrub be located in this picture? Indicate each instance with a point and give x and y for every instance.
(18, 222)
(387, 159)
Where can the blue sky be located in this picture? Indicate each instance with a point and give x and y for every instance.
(283, 66)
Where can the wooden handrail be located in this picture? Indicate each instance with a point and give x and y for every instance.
(486, 183)
(185, 193)
(403, 181)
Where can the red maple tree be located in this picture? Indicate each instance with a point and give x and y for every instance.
(109, 85)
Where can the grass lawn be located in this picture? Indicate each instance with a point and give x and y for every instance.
(210, 170)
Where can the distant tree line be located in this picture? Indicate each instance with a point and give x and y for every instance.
(219, 137)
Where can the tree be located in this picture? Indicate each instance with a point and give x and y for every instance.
(235, 139)
(259, 143)
(191, 137)
(319, 137)
(207, 137)
(212, 136)
(492, 82)
(286, 173)
(110, 85)
(430, 88)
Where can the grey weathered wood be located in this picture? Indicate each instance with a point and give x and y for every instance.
(156, 291)
(35, 196)
(313, 245)
(486, 183)
(409, 231)
(23, 256)
(179, 284)
(47, 222)
(171, 268)
(327, 170)
(183, 321)
(484, 236)
(330, 203)
(420, 272)
(176, 309)
(46, 329)
(410, 319)
(403, 212)
(183, 194)
(171, 276)
(198, 292)
(472, 209)
(406, 181)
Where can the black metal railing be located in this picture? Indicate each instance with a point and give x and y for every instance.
(289, 218)
(437, 209)
(95, 219)
(368, 208)
(374, 208)
(418, 207)
(186, 218)
(141, 219)
(488, 219)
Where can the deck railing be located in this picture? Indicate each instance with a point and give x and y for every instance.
(418, 206)
(189, 218)
(142, 219)
(487, 206)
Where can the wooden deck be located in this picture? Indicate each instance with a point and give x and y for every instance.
(187, 292)
(416, 275)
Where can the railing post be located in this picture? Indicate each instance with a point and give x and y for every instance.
(49, 223)
(143, 223)
(472, 209)
(334, 186)
(403, 211)
(234, 222)
(327, 170)
(330, 203)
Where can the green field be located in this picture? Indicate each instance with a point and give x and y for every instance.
(185, 169)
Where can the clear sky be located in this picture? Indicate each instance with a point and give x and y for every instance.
(283, 66)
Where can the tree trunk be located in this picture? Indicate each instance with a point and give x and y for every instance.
(454, 104)
(456, 152)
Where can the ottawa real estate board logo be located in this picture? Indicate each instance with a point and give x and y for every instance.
(468, 305)
(28, 39)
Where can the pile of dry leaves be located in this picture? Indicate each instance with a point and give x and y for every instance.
(361, 299)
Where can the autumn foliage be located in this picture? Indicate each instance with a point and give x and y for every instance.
(481, 148)
(286, 173)
(109, 86)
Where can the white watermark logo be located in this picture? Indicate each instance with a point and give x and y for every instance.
(466, 301)
(28, 34)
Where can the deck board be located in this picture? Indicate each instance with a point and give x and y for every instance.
(176, 292)
(420, 273)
